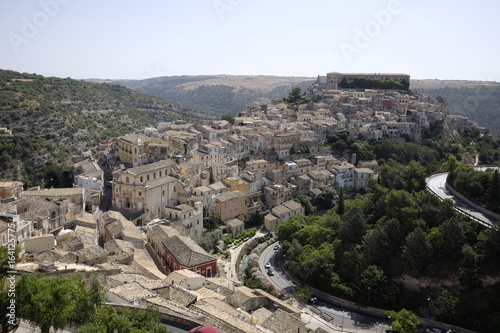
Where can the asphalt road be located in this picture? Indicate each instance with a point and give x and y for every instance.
(348, 320)
(437, 184)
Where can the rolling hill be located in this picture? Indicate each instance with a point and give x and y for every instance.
(80, 113)
(221, 94)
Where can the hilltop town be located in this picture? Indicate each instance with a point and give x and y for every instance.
(141, 201)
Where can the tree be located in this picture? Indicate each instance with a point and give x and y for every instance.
(417, 249)
(58, 301)
(288, 228)
(372, 283)
(383, 241)
(403, 321)
(142, 321)
(306, 202)
(494, 192)
(405, 84)
(343, 83)
(341, 205)
(449, 239)
(295, 96)
(212, 221)
(325, 199)
(228, 118)
(415, 174)
(353, 227)
(392, 175)
(401, 205)
(302, 294)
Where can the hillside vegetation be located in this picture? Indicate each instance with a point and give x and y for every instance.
(80, 113)
(52, 117)
(222, 94)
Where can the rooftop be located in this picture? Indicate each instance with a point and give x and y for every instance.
(54, 192)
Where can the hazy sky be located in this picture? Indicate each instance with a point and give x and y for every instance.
(125, 39)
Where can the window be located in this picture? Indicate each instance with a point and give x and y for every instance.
(142, 179)
(126, 180)
(140, 193)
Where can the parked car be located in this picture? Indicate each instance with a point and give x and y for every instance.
(268, 265)
(270, 272)
(204, 329)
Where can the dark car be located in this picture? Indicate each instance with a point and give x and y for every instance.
(270, 272)
(276, 247)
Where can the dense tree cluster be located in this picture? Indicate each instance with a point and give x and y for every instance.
(482, 187)
(61, 301)
(395, 231)
(35, 161)
(368, 83)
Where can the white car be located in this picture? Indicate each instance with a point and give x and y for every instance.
(268, 265)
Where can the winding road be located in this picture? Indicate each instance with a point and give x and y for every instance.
(343, 320)
(437, 185)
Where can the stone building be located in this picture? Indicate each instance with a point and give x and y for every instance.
(230, 205)
(178, 252)
(10, 189)
(147, 189)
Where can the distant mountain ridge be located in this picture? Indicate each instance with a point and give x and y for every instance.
(221, 94)
(477, 100)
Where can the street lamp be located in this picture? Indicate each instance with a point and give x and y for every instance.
(368, 295)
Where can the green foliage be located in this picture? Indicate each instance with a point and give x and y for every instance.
(305, 201)
(483, 187)
(403, 321)
(57, 301)
(326, 199)
(302, 294)
(340, 204)
(52, 117)
(212, 222)
(368, 83)
(209, 242)
(417, 250)
(353, 227)
(228, 118)
(240, 162)
(299, 150)
(296, 97)
(107, 320)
